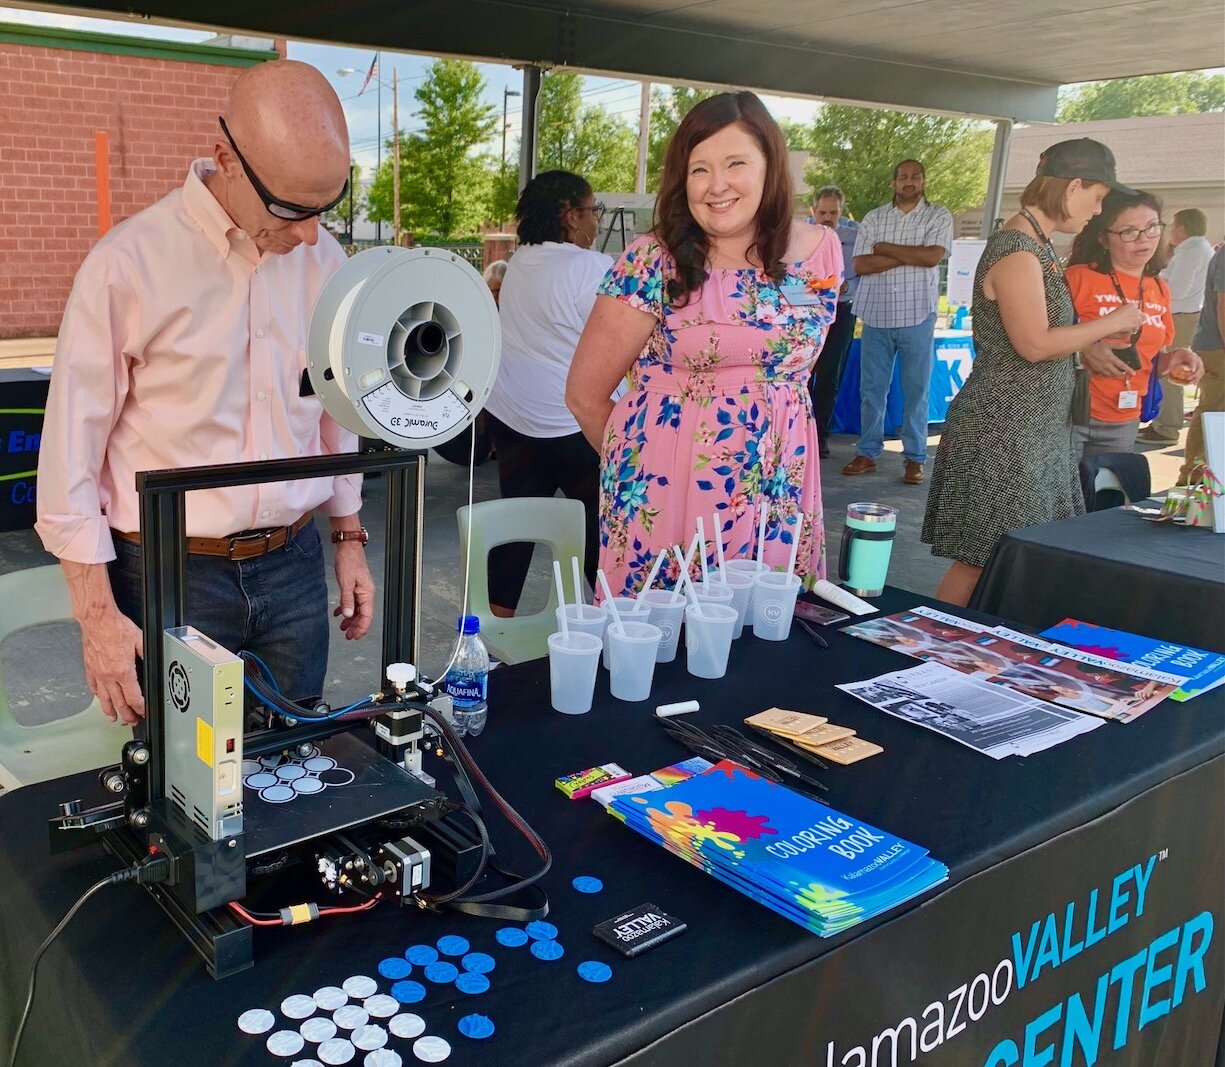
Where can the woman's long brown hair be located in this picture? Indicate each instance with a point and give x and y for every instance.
(676, 228)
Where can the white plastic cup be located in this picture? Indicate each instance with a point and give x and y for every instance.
(573, 663)
(774, 594)
(741, 584)
(713, 591)
(667, 612)
(583, 619)
(632, 654)
(708, 638)
(629, 610)
(749, 566)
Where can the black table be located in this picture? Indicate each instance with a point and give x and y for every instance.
(1115, 569)
(1025, 839)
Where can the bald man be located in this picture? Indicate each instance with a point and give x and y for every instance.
(184, 343)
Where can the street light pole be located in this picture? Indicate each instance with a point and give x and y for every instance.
(378, 66)
(507, 92)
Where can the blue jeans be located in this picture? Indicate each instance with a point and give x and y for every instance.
(877, 349)
(275, 605)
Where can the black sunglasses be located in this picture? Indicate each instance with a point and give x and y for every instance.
(282, 209)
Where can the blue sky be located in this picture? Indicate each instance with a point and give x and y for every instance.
(619, 97)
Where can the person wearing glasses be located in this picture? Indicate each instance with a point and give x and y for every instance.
(718, 315)
(1117, 259)
(184, 343)
(547, 292)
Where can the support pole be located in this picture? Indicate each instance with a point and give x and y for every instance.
(995, 181)
(528, 134)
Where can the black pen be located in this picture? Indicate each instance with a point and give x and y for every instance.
(813, 633)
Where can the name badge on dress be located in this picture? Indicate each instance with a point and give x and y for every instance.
(797, 294)
(1129, 400)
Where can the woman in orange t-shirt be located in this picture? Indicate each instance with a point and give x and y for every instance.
(1115, 259)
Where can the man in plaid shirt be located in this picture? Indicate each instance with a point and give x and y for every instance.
(897, 256)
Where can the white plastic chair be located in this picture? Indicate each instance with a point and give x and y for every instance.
(79, 742)
(555, 522)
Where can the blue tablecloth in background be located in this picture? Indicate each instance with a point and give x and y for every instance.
(951, 367)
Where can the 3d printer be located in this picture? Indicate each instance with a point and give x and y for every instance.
(403, 348)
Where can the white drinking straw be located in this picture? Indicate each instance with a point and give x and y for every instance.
(717, 533)
(686, 586)
(578, 581)
(761, 535)
(795, 542)
(702, 549)
(612, 604)
(561, 599)
(654, 571)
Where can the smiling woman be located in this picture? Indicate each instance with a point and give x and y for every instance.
(718, 315)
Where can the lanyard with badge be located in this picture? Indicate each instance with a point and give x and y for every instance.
(1129, 398)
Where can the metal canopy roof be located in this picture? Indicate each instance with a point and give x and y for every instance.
(990, 58)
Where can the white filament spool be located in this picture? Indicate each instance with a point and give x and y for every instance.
(404, 345)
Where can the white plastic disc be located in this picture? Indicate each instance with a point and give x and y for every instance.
(331, 997)
(381, 1006)
(285, 1043)
(338, 1050)
(407, 1025)
(256, 1021)
(431, 1049)
(369, 1037)
(350, 1017)
(299, 1006)
(383, 1057)
(360, 987)
(317, 1029)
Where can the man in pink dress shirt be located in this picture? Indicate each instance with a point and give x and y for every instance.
(183, 343)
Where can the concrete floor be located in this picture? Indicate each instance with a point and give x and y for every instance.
(41, 670)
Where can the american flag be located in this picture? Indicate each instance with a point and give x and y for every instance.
(373, 72)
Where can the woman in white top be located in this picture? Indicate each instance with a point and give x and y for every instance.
(547, 293)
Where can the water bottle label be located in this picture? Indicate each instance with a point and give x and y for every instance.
(466, 690)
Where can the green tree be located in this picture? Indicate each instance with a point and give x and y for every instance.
(338, 217)
(585, 140)
(858, 147)
(505, 194)
(445, 183)
(1155, 94)
(668, 107)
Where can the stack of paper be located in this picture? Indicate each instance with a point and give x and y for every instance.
(818, 867)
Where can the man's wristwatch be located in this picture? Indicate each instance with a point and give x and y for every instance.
(360, 535)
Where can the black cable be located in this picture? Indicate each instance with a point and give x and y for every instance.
(129, 875)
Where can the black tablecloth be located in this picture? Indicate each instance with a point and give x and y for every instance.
(1115, 569)
(122, 987)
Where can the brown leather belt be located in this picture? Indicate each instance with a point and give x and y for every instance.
(246, 545)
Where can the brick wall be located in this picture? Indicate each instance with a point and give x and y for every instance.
(159, 114)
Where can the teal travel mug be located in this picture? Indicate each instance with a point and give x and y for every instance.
(867, 541)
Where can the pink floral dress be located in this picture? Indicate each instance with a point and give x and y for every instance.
(717, 420)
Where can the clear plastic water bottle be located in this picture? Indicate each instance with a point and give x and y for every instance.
(468, 677)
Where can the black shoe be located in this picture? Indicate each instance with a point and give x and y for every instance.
(823, 450)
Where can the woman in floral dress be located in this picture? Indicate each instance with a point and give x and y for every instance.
(718, 315)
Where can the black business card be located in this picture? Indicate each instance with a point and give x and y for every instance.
(639, 929)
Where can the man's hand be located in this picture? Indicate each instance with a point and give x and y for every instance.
(110, 641)
(1099, 359)
(1181, 366)
(356, 610)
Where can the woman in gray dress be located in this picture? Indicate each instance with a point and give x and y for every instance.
(1005, 458)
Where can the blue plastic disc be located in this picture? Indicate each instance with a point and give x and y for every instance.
(472, 983)
(478, 963)
(594, 971)
(441, 972)
(547, 950)
(511, 937)
(408, 992)
(395, 967)
(541, 931)
(584, 883)
(453, 945)
(476, 1026)
(420, 955)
